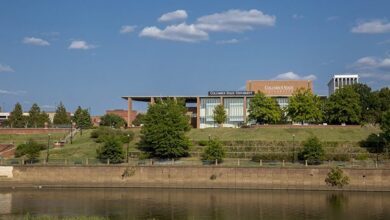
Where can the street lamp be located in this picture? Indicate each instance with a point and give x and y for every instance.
(377, 149)
(71, 132)
(293, 159)
(48, 146)
(127, 150)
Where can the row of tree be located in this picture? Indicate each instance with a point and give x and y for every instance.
(38, 119)
(355, 104)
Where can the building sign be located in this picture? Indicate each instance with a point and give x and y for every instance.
(280, 88)
(231, 93)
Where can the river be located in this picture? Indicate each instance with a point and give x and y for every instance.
(146, 203)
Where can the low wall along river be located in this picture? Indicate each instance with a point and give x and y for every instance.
(188, 177)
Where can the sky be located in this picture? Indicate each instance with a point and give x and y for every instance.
(90, 53)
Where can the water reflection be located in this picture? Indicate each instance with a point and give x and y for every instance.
(195, 204)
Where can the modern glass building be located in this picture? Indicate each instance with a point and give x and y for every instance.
(236, 103)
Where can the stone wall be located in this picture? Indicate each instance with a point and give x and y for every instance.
(192, 177)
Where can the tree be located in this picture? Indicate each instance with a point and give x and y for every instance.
(214, 151)
(139, 119)
(369, 103)
(304, 106)
(43, 118)
(31, 150)
(384, 99)
(264, 109)
(164, 132)
(16, 119)
(385, 122)
(336, 178)
(61, 117)
(219, 114)
(111, 150)
(112, 120)
(343, 106)
(82, 118)
(312, 150)
(34, 116)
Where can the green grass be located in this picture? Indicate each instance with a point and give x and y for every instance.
(84, 147)
(22, 138)
(342, 134)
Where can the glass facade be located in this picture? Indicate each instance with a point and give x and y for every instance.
(207, 106)
(234, 108)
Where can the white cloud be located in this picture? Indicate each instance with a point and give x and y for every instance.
(5, 68)
(297, 16)
(181, 32)
(173, 16)
(127, 29)
(293, 76)
(35, 41)
(235, 21)
(231, 41)
(80, 45)
(373, 67)
(372, 27)
(7, 92)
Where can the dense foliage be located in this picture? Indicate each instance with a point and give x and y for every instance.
(312, 151)
(214, 151)
(37, 118)
(61, 117)
(30, 149)
(219, 114)
(336, 178)
(343, 106)
(304, 107)
(164, 132)
(82, 118)
(102, 133)
(16, 119)
(139, 119)
(264, 109)
(112, 120)
(111, 150)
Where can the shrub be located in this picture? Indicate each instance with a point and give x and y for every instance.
(203, 143)
(111, 149)
(103, 133)
(336, 178)
(31, 150)
(214, 151)
(312, 151)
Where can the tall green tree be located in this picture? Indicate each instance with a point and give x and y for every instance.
(82, 118)
(343, 106)
(34, 116)
(164, 132)
(369, 103)
(61, 117)
(219, 114)
(383, 96)
(312, 151)
(112, 120)
(43, 118)
(16, 118)
(264, 109)
(213, 151)
(304, 106)
(112, 150)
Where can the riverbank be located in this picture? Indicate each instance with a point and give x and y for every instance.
(189, 177)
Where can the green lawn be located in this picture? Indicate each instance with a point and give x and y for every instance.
(352, 134)
(84, 147)
(22, 138)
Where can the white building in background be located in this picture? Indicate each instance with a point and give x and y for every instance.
(339, 81)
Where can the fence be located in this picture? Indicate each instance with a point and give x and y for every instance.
(197, 162)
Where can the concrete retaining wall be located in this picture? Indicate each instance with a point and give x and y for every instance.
(192, 177)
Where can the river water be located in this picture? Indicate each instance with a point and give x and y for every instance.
(193, 204)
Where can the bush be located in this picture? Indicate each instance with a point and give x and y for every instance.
(272, 157)
(375, 143)
(31, 150)
(214, 151)
(202, 143)
(112, 120)
(112, 150)
(103, 133)
(312, 151)
(336, 178)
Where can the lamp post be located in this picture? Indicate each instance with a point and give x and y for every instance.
(127, 149)
(293, 159)
(377, 149)
(48, 146)
(71, 132)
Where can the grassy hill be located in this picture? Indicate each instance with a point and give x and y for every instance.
(84, 147)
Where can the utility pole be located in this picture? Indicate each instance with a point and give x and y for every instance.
(48, 146)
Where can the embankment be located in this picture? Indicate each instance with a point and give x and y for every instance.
(189, 177)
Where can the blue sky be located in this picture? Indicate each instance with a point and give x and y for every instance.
(90, 53)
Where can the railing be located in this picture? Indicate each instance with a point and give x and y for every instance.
(230, 162)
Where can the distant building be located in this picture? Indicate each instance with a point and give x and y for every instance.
(123, 114)
(236, 103)
(339, 81)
